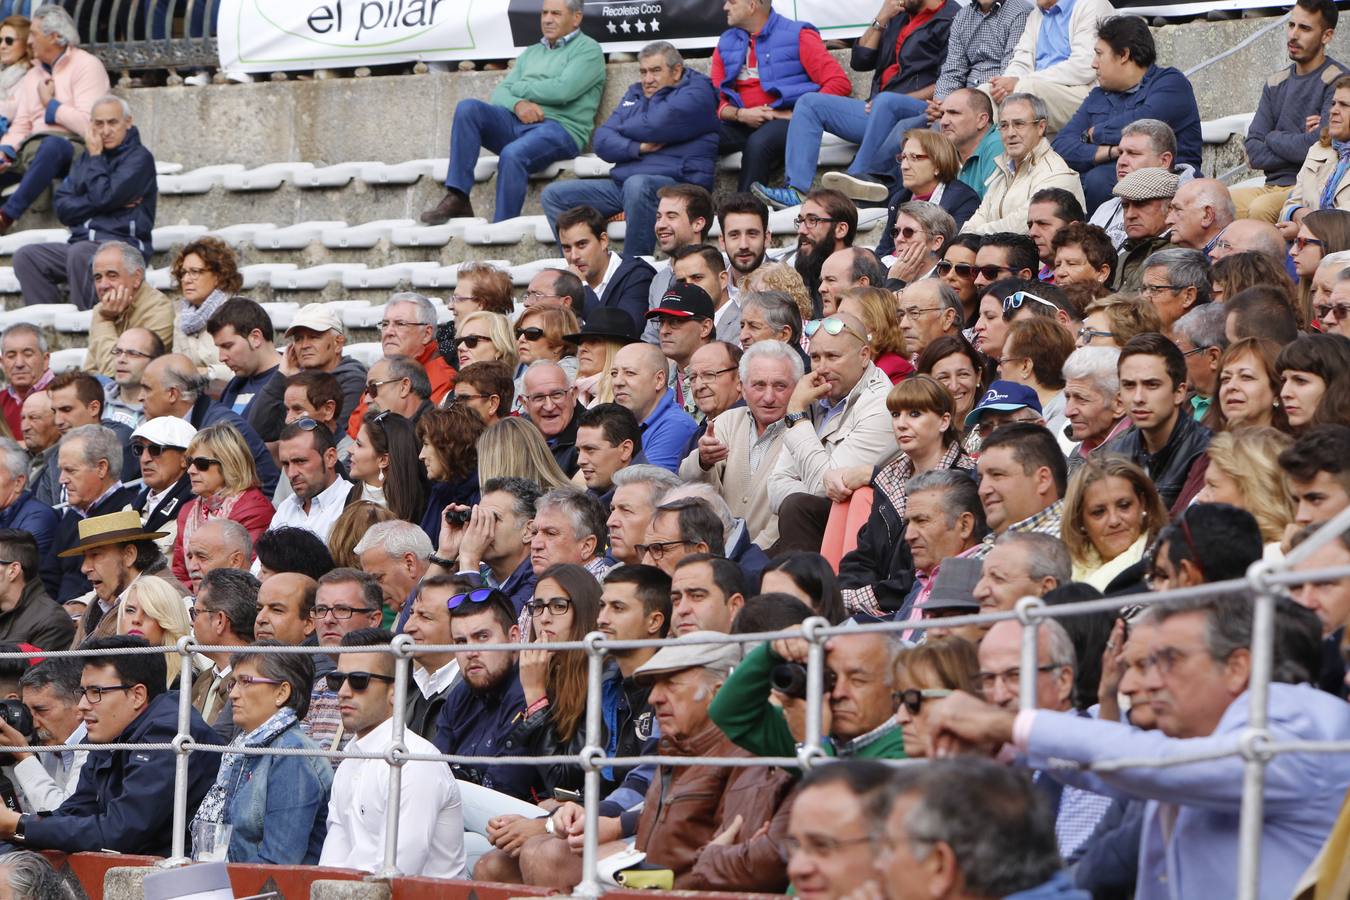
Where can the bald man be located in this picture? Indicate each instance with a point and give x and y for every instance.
(171, 386)
(927, 309)
(838, 429)
(642, 385)
(1249, 235)
(218, 544)
(285, 604)
(1199, 213)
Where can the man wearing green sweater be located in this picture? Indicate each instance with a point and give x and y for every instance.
(859, 716)
(542, 112)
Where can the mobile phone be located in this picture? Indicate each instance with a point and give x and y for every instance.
(563, 795)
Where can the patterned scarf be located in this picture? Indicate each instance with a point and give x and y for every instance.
(192, 319)
(204, 509)
(1328, 198)
(215, 805)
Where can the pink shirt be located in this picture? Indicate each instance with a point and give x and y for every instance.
(80, 80)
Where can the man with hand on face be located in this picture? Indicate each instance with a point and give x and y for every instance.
(126, 301)
(619, 282)
(110, 194)
(640, 377)
(161, 444)
(608, 440)
(836, 418)
(309, 461)
(430, 823)
(317, 340)
(26, 364)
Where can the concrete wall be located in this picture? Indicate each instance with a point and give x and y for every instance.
(392, 119)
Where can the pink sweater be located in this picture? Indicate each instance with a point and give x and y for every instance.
(80, 80)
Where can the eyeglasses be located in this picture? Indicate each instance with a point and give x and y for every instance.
(399, 324)
(1004, 360)
(120, 352)
(1302, 243)
(963, 270)
(153, 449)
(479, 595)
(1017, 300)
(911, 157)
(991, 273)
(1086, 334)
(1148, 290)
(1339, 310)
(463, 298)
(832, 325)
(1192, 351)
(907, 233)
(913, 699)
(696, 377)
(373, 387)
(468, 398)
(659, 549)
(536, 296)
(472, 340)
(94, 692)
(554, 396)
(914, 312)
(820, 846)
(193, 273)
(1011, 677)
(360, 680)
(812, 221)
(202, 463)
(341, 613)
(1018, 123)
(249, 681)
(556, 606)
(529, 334)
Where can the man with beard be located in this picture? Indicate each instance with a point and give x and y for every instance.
(744, 221)
(827, 223)
(115, 552)
(684, 214)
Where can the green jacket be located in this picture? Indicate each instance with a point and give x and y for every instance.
(743, 711)
(566, 83)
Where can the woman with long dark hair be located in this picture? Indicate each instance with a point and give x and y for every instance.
(449, 439)
(1314, 374)
(808, 577)
(386, 469)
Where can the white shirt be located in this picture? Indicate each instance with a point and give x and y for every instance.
(431, 822)
(323, 510)
(47, 779)
(432, 683)
(615, 260)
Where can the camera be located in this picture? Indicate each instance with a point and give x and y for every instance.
(457, 516)
(789, 678)
(17, 716)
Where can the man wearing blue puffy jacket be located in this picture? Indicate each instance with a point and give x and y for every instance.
(664, 131)
(109, 195)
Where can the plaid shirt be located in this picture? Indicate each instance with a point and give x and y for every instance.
(1047, 521)
(981, 45)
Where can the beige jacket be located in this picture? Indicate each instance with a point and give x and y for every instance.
(1318, 166)
(1077, 69)
(861, 435)
(149, 309)
(1008, 192)
(202, 351)
(746, 492)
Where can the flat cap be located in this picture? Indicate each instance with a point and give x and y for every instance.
(1147, 184)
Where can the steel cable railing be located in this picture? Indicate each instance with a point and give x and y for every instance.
(1254, 745)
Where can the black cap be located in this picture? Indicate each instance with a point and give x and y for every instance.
(684, 301)
(607, 323)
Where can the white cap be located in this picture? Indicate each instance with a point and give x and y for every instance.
(166, 431)
(316, 317)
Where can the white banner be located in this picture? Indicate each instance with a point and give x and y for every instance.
(272, 35)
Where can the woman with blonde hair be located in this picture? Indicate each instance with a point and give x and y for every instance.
(934, 669)
(1112, 512)
(875, 308)
(784, 278)
(598, 340)
(350, 527)
(540, 334)
(225, 481)
(152, 609)
(1112, 321)
(1244, 471)
(1249, 387)
(483, 337)
(514, 448)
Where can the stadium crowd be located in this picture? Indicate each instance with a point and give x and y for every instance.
(1073, 367)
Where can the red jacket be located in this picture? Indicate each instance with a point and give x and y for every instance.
(252, 510)
(442, 382)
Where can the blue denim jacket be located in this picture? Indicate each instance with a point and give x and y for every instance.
(278, 805)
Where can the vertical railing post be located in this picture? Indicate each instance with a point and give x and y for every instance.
(811, 748)
(403, 650)
(1031, 657)
(1252, 813)
(591, 756)
(180, 741)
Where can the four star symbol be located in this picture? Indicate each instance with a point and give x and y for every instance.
(627, 27)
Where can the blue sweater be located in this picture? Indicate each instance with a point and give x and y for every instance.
(1277, 140)
(683, 118)
(1164, 93)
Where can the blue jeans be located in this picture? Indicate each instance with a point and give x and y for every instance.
(636, 199)
(892, 115)
(522, 149)
(50, 163)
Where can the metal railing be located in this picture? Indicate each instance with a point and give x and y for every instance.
(146, 34)
(1254, 745)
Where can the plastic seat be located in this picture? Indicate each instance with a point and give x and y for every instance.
(846, 520)
(511, 231)
(780, 220)
(297, 236)
(43, 315)
(9, 282)
(448, 276)
(75, 321)
(588, 165)
(242, 235)
(1218, 131)
(264, 178)
(315, 278)
(366, 354)
(385, 277)
(10, 243)
(70, 358)
(411, 171)
(335, 176)
(364, 236)
(617, 230)
(198, 181)
(261, 273)
(167, 168)
(432, 235)
(281, 314)
(169, 236)
(161, 279)
(524, 273)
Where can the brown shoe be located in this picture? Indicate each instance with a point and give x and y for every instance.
(453, 205)
(6, 223)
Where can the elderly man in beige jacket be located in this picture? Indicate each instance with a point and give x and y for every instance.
(836, 418)
(125, 301)
(742, 445)
(1027, 165)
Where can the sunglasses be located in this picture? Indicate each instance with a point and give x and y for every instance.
(832, 325)
(480, 595)
(373, 387)
(1302, 243)
(153, 449)
(529, 334)
(472, 341)
(912, 699)
(360, 680)
(305, 423)
(9, 41)
(1339, 310)
(1018, 299)
(963, 270)
(202, 463)
(907, 233)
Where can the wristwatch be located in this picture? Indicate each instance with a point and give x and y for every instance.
(794, 418)
(18, 831)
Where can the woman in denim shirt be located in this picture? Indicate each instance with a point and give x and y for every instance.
(278, 805)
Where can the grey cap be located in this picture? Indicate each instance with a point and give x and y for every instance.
(1147, 184)
(720, 658)
(954, 586)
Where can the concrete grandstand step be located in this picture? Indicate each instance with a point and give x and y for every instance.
(70, 358)
(170, 236)
(43, 315)
(167, 168)
(510, 231)
(335, 176)
(313, 278)
(297, 236)
(432, 235)
(387, 277)
(367, 354)
(198, 181)
(265, 178)
(73, 321)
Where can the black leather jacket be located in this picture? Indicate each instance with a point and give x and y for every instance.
(1171, 465)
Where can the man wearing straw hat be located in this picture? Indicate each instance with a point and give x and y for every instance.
(116, 551)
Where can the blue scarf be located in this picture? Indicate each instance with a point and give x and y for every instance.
(215, 806)
(1328, 198)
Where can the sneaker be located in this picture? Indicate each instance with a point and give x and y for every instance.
(778, 198)
(453, 205)
(855, 188)
(198, 79)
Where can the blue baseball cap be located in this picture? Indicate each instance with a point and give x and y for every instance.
(1004, 396)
